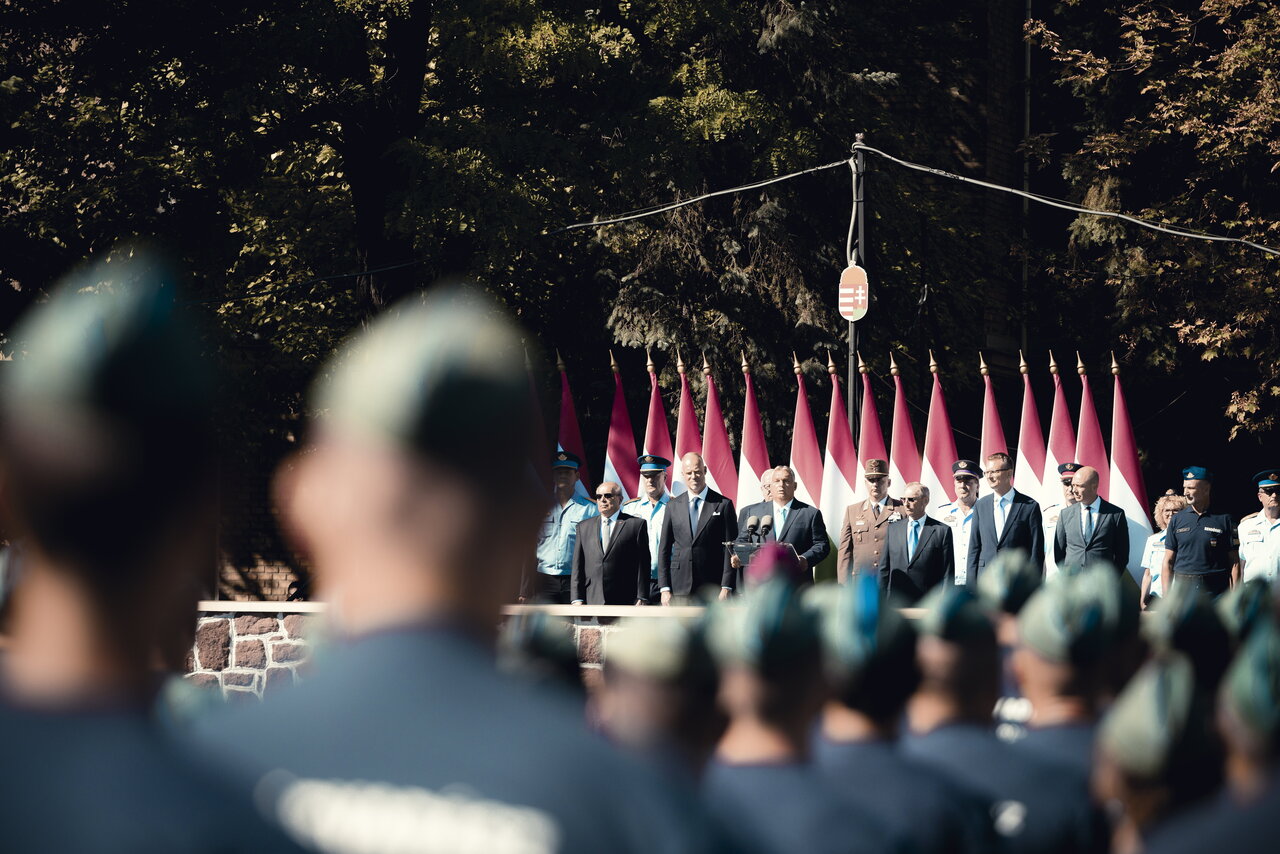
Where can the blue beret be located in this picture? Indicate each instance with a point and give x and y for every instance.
(652, 462)
(1196, 473)
(566, 460)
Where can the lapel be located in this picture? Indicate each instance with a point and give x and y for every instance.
(926, 531)
(884, 514)
(704, 512)
(1097, 521)
(796, 506)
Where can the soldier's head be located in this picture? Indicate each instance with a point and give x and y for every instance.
(653, 476)
(1066, 474)
(1084, 485)
(959, 661)
(999, 472)
(1248, 714)
(1197, 484)
(784, 485)
(608, 498)
(564, 473)
(421, 442)
(915, 498)
(1268, 481)
(108, 460)
(766, 485)
(695, 472)
(876, 474)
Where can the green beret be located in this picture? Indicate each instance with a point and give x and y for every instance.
(668, 649)
(953, 614)
(1187, 622)
(766, 629)
(443, 376)
(1242, 606)
(858, 628)
(1153, 718)
(1252, 684)
(1007, 582)
(1072, 619)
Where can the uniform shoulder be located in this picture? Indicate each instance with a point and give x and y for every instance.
(631, 501)
(1251, 516)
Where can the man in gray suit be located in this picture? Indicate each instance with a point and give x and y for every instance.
(1091, 530)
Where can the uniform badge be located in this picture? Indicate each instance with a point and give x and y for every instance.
(949, 520)
(860, 522)
(896, 517)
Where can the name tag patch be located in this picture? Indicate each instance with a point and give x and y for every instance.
(1183, 530)
(1213, 530)
(860, 522)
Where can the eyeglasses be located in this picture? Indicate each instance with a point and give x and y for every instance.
(1269, 490)
(601, 496)
(997, 471)
(912, 498)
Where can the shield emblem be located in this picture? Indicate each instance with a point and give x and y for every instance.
(855, 293)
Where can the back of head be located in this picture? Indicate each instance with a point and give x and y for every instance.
(1245, 606)
(540, 648)
(868, 649)
(1008, 582)
(1188, 623)
(958, 654)
(1076, 618)
(1250, 694)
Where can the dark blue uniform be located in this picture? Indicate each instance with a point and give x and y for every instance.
(1202, 545)
(787, 807)
(415, 731)
(1037, 806)
(1065, 744)
(105, 781)
(931, 811)
(1223, 826)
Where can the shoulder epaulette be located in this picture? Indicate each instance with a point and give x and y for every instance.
(1244, 519)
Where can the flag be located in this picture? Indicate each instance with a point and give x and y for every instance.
(542, 454)
(687, 439)
(570, 438)
(753, 456)
(620, 465)
(1128, 492)
(870, 437)
(1029, 464)
(939, 449)
(840, 474)
(721, 474)
(806, 456)
(904, 455)
(1062, 442)
(1089, 448)
(657, 435)
(993, 440)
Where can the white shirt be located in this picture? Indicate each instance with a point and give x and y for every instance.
(1153, 559)
(959, 519)
(780, 514)
(1085, 514)
(701, 498)
(1000, 510)
(609, 523)
(652, 512)
(1259, 547)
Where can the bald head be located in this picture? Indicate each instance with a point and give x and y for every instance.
(695, 472)
(1084, 484)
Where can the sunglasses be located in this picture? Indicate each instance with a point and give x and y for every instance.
(1270, 490)
(912, 498)
(601, 496)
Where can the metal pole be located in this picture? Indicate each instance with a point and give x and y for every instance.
(859, 258)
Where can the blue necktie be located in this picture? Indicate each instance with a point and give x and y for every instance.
(782, 520)
(913, 540)
(1088, 523)
(693, 514)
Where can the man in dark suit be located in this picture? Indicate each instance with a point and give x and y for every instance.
(794, 522)
(1091, 530)
(759, 510)
(1005, 519)
(921, 550)
(698, 523)
(611, 557)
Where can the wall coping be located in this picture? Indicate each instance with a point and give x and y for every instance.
(230, 606)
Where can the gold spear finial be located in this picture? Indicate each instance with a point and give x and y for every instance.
(862, 366)
(1053, 364)
(933, 363)
(1115, 366)
(613, 363)
(1080, 368)
(679, 361)
(649, 364)
(982, 365)
(559, 362)
(1022, 363)
(795, 363)
(706, 366)
(893, 365)
(746, 368)
(831, 364)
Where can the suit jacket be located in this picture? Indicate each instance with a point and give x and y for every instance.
(1110, 540)
(934, 559)
(618, 576)
(1023, 529)
(862, 539)
(690, 559)
(805, 531)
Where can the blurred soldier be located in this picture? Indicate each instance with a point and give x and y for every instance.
(760, 784)
(1066, 475)
(920, 549)
(1091, 530)
(651, 506)
(1037, 805)
(1003, 589)
(1188, 623)
(1249, 716)
(1243, 607)
(798, 524)
(958, 515)
(421, 736)
(865, 525)
(1153, 558)
(109, 475)
(869, 655)
(559, 533)
(697, 524)
(541, 649)
(1005, 519)
(658, 696)
(1200, 545)
(1260, 532)
(611, 558)
(1157, 755)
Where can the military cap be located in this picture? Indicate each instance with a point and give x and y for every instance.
(1186, 622)
(858, 628)
(566, 460)
(1267, 477)
(1153, 719)
(875, 469)
(443, 376)
(535, 645)
(1242, 606)
(953, 614)
(1072, 619)
(653, 462)
(669, 649)
(1251, 687)
(767, 630)
(1196, 473)
(1069, 468)
(1007, 582)
(966, 468)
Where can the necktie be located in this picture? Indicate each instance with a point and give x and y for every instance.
(875, 510)
(999, 517)
(605, 530)
(1088, 523)
(782, 520)
(913, 540)
(693, 513)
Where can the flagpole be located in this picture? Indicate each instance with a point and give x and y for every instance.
(859, 258)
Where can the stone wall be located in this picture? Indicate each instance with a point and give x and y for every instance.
(250, 654)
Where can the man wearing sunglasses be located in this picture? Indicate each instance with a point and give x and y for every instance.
(1260, 532)
(611, 558)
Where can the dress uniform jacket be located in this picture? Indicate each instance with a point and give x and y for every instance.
(690, 559)
(618, 575)
(1023, 529)
(862, 539)
(1110, 540)
(933, 560)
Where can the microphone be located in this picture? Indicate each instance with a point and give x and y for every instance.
(753, 522)
(766, 525)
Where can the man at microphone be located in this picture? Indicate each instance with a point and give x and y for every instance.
(793, 522)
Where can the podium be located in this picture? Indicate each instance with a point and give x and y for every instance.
(746, 551)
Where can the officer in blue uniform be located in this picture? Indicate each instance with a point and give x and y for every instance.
(1037, 805)
(651, 506)
(559, 532)
(1201, 547)
(109, 476)
(760, 785)
(869, 656)
(406, 727)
